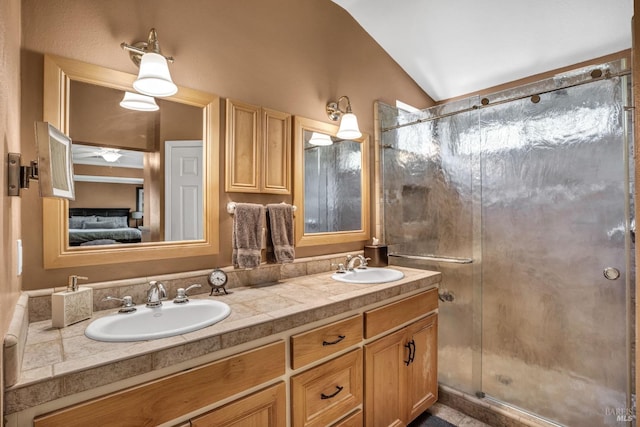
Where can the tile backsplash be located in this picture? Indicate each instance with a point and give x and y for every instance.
(39, 305)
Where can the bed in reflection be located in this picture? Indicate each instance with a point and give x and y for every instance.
(101, 226)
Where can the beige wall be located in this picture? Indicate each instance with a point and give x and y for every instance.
(9, 142)
(288, 55)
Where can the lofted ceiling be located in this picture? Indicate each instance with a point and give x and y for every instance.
(453, 48)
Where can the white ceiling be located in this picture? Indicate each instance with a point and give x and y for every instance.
(456, 47)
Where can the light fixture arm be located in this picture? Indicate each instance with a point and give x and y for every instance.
(140, 48)
(333, 108)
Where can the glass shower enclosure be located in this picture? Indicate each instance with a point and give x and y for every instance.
(522, 200)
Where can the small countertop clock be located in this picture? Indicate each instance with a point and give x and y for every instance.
(218, 280)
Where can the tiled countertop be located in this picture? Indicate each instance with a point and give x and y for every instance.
(62, 362)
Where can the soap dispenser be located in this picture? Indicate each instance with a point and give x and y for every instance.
(377, 253)
(73, 305)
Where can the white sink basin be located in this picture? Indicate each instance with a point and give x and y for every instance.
(151, 323)
(369, 275)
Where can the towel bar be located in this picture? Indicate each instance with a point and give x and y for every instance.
(231, 207)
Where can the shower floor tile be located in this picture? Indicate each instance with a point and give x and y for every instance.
(448, 414)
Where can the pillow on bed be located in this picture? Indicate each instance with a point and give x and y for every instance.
(120, 221)
(103, 224)
(78, 221)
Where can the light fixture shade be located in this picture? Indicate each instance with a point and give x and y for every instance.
(321, 139)
(138, 102)
(349, 127)
(154, 78)
(136, 215)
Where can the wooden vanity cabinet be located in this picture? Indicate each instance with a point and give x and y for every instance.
(401, 368)
(265, 408)
(380, 365)
(257, 149)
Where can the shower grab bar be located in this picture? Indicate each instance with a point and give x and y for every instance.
(448, 259)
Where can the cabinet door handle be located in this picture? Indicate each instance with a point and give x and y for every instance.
(411, 345)
(325, 396)
(340, 338)
(410, 358)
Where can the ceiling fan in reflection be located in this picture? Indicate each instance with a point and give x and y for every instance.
(110, 155)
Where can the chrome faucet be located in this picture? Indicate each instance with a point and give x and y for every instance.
(156, 294)
(351, 262)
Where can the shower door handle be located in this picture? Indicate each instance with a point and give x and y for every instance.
(611, 273)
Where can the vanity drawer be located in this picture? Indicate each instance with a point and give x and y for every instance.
(315, 344)
(265, 408)
(353, 420)
(165, 399)
(328, 391)
(395, 314)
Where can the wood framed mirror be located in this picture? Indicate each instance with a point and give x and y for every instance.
(331, 185)
(60, 76)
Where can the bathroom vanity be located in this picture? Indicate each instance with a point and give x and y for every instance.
(306, 351)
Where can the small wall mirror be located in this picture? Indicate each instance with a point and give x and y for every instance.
(331, 185)
(121, 160)
(55, 170)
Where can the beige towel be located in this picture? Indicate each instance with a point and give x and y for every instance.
(246, 237)
(280, 233)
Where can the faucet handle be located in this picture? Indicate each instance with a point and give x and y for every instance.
(340, 267)
(181, 296)
(127, 303)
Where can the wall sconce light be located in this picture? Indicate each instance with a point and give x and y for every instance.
(154, 78)
(320, 139)
(349, 123)
(138, 102)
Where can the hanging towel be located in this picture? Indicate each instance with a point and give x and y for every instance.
(280, 233)
(246, 236)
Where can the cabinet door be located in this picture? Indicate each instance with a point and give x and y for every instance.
(243, 153)
(422, 381)
(385, 372)
(266, 408)
(276, 148)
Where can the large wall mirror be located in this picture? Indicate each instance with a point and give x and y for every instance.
(331, 185)
(124, 171)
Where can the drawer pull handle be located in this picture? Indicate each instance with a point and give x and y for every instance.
(340, 338)
(324, 396)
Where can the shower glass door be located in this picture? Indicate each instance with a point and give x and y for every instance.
(534, 192)
(554, 208)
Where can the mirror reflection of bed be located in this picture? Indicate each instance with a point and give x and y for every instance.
(101, 226)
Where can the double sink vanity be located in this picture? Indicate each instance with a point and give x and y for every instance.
(308, 349)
